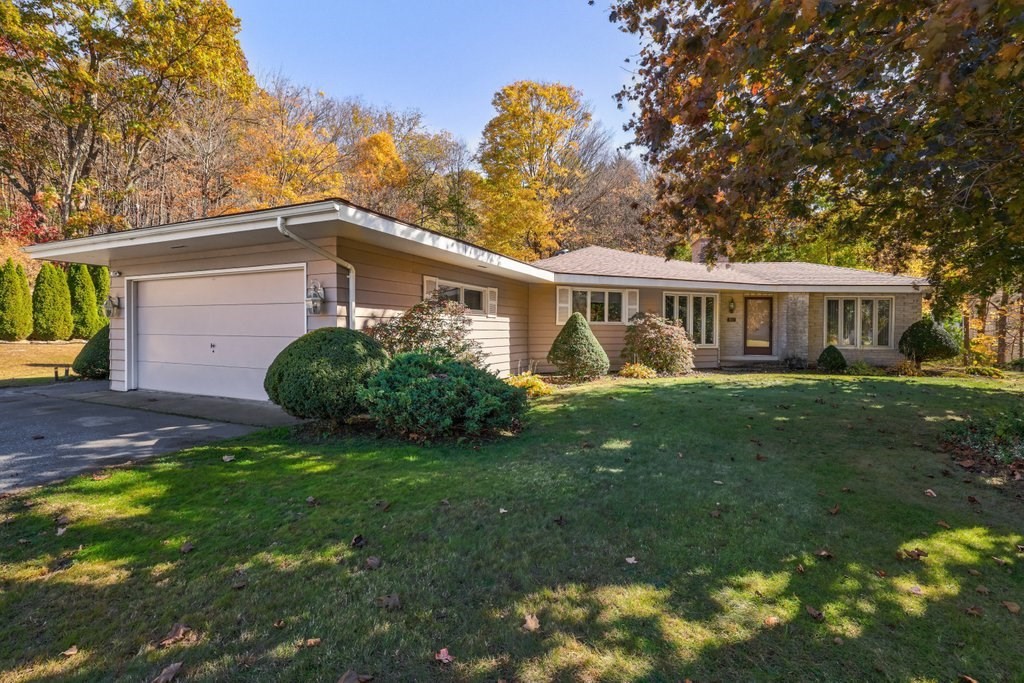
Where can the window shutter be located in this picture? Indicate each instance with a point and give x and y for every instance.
(564, 305)
(632, 303)
(492, 302)
(429, 285)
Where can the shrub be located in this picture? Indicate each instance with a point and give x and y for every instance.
(637, 371)
(533, 383)
(1016, 364)
(984, 371)
(659, 344)
(865, 369)
(93, 361)
(832, 360)
(928, 340)
(84, 310)
(906, 368)
(1000, 436)
(576, 352)
(424, 396)
(432, 325)
(320, 374)
(51, 305)
(15, 303)
(101, 283)
(795, 362)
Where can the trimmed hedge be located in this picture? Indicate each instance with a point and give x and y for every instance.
(424, 396)
(319, 374)
(832, 360)
(576, 352)
(93, 361)
(15, 303)
(928, 340)
(84, 310)
(659, 344)
(101, 283)
(51, 305)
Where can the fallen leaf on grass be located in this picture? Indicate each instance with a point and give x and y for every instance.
(559, 520)
(982, 590)
(169, 672)
(502, 511)
(351, 676)
(358, 541)
(312, 501)
(631, 560)
(177, 633)
(930, 493)
(720, 483)
(382, 505)
(964, 678)
(846, 489)
(915, 554)
(279, 623)
(881, 573)
(444, 657)
(824, 554)
(1020, 547)
(716, 513)
(63, 520)
(760, 458)
(1000, 561)
(815, 614)
(239, 580)
(974, 572)
(1011, 607)
(972, 500)
(834, 510)
(373, 562)
(966, 464)
(916, 590)
(228, 458)
(61, 530)
(389, 601)
(100, 476)
(531, 623)
(800, 569)
(71, 651)
(974, 611)
(186, 547)
(943, 524)
(309, 642)
(772, 621)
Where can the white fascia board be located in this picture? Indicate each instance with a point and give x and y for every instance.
(698, 285)
(387, 226)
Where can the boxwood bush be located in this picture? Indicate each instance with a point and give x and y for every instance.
(93, 361)
(658, 343)
(832, 360)
(319, 375)
(928, 340)
(425, 396)
(576, 352)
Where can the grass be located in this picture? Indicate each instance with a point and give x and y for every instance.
(664, 471)
(23, 364)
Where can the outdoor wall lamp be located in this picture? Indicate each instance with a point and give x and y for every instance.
(732, 305)
(112, 306)
(314, 297)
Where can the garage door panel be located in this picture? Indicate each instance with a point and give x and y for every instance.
(270, 320)
(236, 352)
(215, 335)
(185, 379)
(245, 288)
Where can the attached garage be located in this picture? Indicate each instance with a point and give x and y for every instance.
(213, 333)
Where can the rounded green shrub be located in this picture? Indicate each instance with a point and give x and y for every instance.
(51, 305)
(93, 361)
(928, 340)
(424, 396)
(576, 352)
(15, 303)
(658, 343)
(832, 360)
(84, 311)
(319, 374)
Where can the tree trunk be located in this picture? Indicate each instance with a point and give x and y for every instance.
(967, 335)
(1001, 325)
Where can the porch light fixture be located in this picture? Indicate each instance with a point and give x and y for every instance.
(112, 306)
(732, 305)
(314, 297)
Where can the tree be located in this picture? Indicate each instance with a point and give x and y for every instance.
(904, 117)
(80, 79)
(101, 282)
(84, 313)
(51, 305)
(15, 303)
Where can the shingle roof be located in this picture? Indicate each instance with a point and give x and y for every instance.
(601, 261)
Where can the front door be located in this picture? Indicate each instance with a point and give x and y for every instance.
(757, 329)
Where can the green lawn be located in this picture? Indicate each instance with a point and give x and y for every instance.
(22, 364)
(720, 487)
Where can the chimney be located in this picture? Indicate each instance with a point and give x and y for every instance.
(697, 247)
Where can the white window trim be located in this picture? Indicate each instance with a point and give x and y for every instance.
(488, 295)
(606, 292)
(688, 325)
(856, 335)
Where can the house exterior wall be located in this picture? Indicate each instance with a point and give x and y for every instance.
(906, 311)
(387, 283)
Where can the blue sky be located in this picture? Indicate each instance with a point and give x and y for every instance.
(443, 57)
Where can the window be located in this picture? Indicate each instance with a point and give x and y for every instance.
(479, 300)
(858, 322)
(598, 305)
(697, 313)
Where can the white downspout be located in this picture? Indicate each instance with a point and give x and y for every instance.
(327, 255)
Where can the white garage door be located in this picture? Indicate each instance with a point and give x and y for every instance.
(216, 334)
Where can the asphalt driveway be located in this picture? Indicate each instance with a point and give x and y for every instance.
(49, 436)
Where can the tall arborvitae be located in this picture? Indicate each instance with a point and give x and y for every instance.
(51, 305)
(15, 303)
(84, 311)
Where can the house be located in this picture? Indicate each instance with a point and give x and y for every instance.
(204, 306)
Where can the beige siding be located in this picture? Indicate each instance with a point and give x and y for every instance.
(907, 311)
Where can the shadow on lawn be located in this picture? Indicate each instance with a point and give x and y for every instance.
(695, 604)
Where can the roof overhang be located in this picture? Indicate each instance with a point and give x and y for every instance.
(705, 285)
(311, 221)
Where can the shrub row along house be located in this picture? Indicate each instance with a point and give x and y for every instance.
(203, 307)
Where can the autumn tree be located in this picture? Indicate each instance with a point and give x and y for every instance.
(904, 117)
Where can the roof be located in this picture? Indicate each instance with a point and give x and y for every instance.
(604, 262)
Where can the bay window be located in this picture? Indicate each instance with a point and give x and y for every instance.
(858, 322)
(697, 313)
